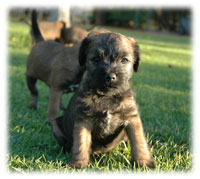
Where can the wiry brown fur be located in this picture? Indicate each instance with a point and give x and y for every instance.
(103, 111)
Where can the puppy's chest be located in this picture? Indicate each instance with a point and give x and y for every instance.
(106, 123)
(108, 115)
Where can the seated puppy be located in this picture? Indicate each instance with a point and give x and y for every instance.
(103, 111)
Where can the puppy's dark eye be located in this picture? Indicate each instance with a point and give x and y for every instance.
(124, 60)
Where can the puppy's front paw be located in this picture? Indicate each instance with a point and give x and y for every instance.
(78, 164)
(149, 163)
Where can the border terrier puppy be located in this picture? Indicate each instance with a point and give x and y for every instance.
(54, 64)
(103, 111)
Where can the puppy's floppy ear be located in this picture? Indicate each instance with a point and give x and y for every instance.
(83, 51)
(136, 53)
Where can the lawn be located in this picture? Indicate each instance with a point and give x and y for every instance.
(163, 92)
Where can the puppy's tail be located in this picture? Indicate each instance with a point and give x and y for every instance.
(35, 29)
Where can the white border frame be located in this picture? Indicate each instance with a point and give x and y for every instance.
(195, 9)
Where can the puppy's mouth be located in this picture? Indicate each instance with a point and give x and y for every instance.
(105, 87)
(109, 84)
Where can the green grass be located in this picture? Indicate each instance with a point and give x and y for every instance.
(163, 95)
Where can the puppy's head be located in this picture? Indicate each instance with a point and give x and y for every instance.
(110, 59)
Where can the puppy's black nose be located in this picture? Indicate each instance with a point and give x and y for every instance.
(111, 77)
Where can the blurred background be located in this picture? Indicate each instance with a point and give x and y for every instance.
(147, 19)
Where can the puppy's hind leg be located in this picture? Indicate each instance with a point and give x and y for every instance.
(31, 83)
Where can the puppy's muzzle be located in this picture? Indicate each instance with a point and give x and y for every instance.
(110, 77)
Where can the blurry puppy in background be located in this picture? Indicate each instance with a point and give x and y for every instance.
(103, 111)
(59, 32)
